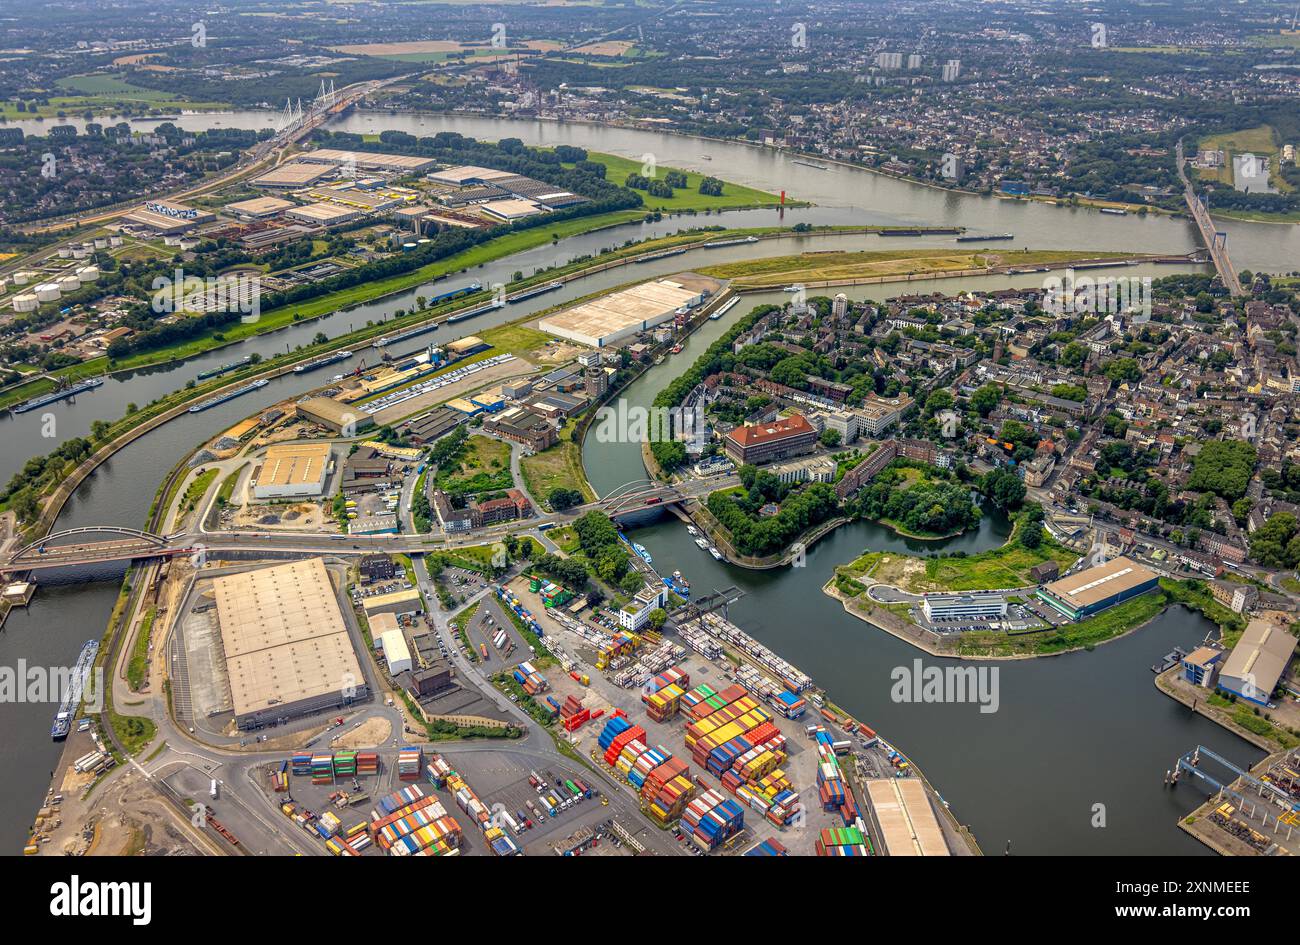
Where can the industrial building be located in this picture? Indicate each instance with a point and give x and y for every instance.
(258, 208)
(767, 442)
(166, 219)
(369, 160)
(287, 650)
(397, 602)
(324, 214)
(904, 819)
(1256, 664)
(1094, 589)
(961, 606)
(291, 470)
(334, 415)
(613, 318)
(636, 613)
(396, 653)
(291, 176)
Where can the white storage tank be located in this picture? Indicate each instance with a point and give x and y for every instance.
(79, 253)
(69, 284)
(64, 252)
(24, 277)
(25, 303)
(48, 292)
(101, 242)
(88, 273)
(115, 241)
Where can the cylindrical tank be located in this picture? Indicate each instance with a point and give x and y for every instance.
(101, 242)
(88, 273)
(64, 252)
(23, 277)
(79, 253)
(48, 292)
(25, 303)
(115, 241)
(69, 284)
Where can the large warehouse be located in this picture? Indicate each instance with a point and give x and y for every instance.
(1095, 589)
(292, 470)
(611, 319)
(287, 649)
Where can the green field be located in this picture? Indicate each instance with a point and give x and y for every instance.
(1260, 140)
(995, 569)
(734, 196)
(483, 465)
(555, 468)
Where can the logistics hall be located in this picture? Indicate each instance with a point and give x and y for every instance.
(620, 315)
(1094, 589)
(288, 652)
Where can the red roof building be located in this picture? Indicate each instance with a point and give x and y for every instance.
(768, 442)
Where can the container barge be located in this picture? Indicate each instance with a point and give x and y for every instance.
(76, 685)
(322, 362)
(660, 255)
(814, 166)
(739, 241)
(474, 312)
(224, 369)
(230, 395)
(455, 293)
(535, 290)
(57, 395)
(995, 237)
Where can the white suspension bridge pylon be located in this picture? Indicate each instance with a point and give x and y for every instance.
(293, 117)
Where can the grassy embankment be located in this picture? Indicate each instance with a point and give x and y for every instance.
(557, 467)
(882, 264)
(688, 198)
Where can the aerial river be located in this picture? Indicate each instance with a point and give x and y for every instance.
(1071, 731)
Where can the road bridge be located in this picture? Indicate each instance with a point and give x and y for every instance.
(1215, 240)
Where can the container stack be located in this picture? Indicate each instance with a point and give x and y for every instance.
(580, 677)
(280, 778)
(622, 643)
(468, 801)
(647, 762)
(713, 819)
(841, 841)
(552, 706)
(500, 843)
(628, 756)
(301, 763)
(768, 848)
(667, 791)
(617, 724)
(529, 679)
(322, 769)
(328, 824)
(663, 705)
(716, 701)
(673, 675)
(830, 780)
(790, 704)
(409, 822)
(436, 770)
(695, 696)
(574, 714)
(345, 764)
(409, 763)
(367, 762)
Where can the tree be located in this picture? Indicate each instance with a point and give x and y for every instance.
(1031, 526)
(986, 398)
(830, 438)
(561, 498)
(1003, 488)
(657, 618)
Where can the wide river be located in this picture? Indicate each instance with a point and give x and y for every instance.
(1071, 732)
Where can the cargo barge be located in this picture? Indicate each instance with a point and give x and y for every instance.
(76, 685)
(739, 241)
(1114, 211)
(409, 333)
(475, 312)
(724, 309)
(224, 369)
(815, 167)
(535, 290)
(57, 395)
(231, 395)
(322, 362)
(661, 255)
(995, 237)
